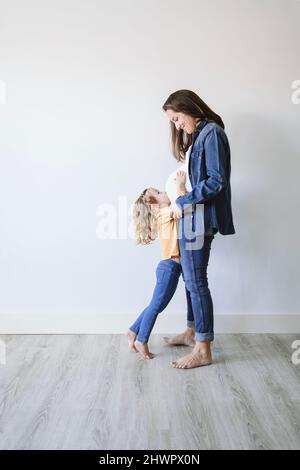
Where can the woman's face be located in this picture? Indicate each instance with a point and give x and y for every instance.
(161, 197)
(183, 121)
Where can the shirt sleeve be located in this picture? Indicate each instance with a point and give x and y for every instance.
(215, 159)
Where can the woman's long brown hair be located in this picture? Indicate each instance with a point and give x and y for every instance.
(188, 102)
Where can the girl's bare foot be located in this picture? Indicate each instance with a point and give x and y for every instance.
(186, 339)
(144, 350)
(131, 339)
(200, 356)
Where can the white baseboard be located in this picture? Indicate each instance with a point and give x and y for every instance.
(116, 324)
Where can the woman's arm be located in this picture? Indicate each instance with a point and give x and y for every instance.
(215, 159)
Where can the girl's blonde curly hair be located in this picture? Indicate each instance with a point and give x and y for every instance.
(144, 216)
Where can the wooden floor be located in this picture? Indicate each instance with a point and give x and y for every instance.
(90, 392)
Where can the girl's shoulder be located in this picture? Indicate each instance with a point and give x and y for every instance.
(164, 211)
(165, 214)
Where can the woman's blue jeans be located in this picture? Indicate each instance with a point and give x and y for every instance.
(167, 276)
(194, 257)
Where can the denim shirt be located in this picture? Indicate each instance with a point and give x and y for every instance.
(209, 173)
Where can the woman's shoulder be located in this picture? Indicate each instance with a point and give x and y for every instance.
(210, 130)
(212, 126)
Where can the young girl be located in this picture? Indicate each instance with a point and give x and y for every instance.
(154, 216)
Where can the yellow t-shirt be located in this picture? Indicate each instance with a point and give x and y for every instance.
(167, 229)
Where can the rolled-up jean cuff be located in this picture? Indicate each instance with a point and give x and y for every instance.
(191, 324)
(133, 330)
(199, 337)
(142, 340)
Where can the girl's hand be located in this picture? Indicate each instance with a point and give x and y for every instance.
(176, 212)
(180, 178)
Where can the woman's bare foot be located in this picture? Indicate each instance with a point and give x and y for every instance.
(200, 356)
(131, 339)
(144, 350)
(186, 339)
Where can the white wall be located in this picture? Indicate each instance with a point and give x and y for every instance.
(82, 125)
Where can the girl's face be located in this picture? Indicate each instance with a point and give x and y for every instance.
(183, 121)
(161, 197)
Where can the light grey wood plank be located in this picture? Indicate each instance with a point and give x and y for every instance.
(90, 392)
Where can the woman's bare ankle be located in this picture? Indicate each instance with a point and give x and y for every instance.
(203, 347)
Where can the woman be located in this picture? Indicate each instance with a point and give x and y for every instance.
(194, 124)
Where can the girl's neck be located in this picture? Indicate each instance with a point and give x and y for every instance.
(161, 206)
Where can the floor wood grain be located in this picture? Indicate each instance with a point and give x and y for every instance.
(90, 392)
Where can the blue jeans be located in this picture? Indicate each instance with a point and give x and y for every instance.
(167, 276)
(194, 264)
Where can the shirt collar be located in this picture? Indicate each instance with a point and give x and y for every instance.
(201, 124)
(199, 128)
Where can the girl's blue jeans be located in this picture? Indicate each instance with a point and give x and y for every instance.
(167, 276)
(194, 259)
